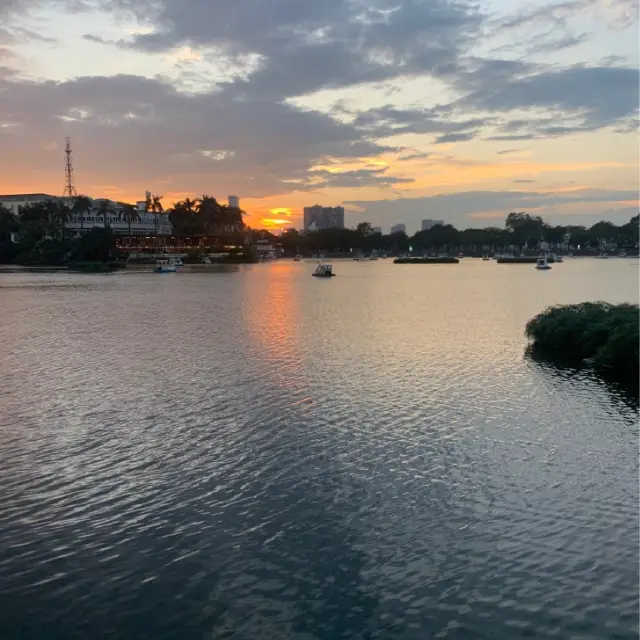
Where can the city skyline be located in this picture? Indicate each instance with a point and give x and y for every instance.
(397, 111)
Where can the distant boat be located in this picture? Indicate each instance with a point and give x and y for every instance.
(542, 264)
(164, 266)
(323, 271)
(485, 257)
(297, 258)
(603, 256)
(460, 255)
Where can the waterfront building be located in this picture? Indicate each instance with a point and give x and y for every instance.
(428, 223)
(13, 202)
(143, 223)
(318, 217)
(399, 228)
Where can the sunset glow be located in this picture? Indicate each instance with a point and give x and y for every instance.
(153, 100)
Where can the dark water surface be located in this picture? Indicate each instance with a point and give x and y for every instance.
(253, 453)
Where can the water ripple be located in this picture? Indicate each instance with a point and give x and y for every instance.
(254, 454)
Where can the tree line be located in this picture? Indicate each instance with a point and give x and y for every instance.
(521, 231)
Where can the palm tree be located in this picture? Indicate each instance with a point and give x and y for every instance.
(209, 209)
(104, 209)
(157, 209)
(51, 210)
(63, 215)
(129, 214)
(81, 206)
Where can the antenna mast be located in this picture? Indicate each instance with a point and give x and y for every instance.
(69, 184)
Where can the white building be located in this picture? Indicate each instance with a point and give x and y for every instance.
(323, 217)
(144, 223)
(428, 223)
(234, 202)
(399, 228)
(15, 201)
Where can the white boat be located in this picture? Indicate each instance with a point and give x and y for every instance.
(164, 266)
(323, 271)
(485, 257)
(557, 258)
(206, 260)
(542, 264)
(460, 255)
(373, 257)
(297, 258)
(603, 256)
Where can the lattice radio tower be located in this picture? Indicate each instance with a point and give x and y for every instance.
(69, 184)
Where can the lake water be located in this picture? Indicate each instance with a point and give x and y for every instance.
(254, 453)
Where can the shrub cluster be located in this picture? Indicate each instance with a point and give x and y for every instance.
(603, 334)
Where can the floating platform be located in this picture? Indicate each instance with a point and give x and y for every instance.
(427, 260)
(522, 260)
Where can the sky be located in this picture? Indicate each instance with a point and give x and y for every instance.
(461, 110)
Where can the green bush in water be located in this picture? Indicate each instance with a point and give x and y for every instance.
(604, 334)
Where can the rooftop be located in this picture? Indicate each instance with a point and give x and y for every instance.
(25, 196)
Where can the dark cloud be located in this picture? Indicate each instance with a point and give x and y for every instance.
(582, 98)
(454, 137)
(417, 155)
(468, 208)
(506, 151)
(306, 46)
(388, 121)
(138, 130)
(377, 177)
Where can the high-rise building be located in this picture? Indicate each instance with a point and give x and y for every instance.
(399, 228)
(317, 217)
(234, 202)
(428, 223)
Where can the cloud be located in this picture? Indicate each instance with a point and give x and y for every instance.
(143, 131)
(506, 151)
(354, 179)
(303, 47)
(387, 121)
(523, 181)
(472, 208)
(581, 98)
(454, 137)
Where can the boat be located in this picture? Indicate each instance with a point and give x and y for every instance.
(543, 264)
(176, 262)
(297, 258)
(460, 255)
(603, 256)
(206, 260)
(373, 257)
(557, 258)
(356, 258)
(485, 257)
(164, 266)
(323, 271)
